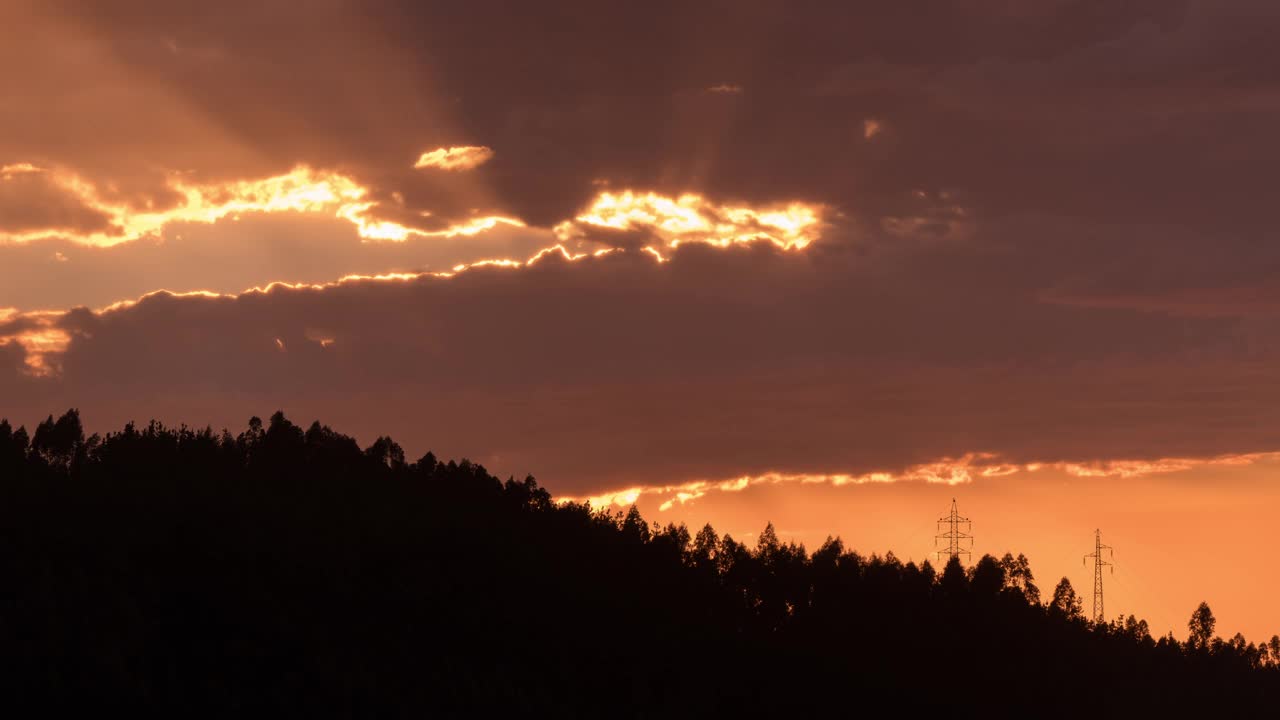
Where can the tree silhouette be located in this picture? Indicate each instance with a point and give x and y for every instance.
(1065, 602)
(706, 547)
(634, 526)
(954, 580)
(1019, 578)
(1201, 626)
(988, 577)
(58, 442)
(279, 571)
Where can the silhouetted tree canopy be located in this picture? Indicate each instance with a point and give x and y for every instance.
(1065, 604)
(1201, 625)
(188, 572)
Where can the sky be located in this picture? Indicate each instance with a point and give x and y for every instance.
(828, 265)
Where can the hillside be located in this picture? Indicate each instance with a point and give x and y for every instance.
(286, 570)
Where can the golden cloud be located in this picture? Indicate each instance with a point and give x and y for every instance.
(693, 218)
(464, 157)
(40, 338)
(671, 220)
(303, 189)
(9, 171)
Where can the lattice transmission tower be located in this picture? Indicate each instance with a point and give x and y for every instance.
(1098, 563)
(955, 539)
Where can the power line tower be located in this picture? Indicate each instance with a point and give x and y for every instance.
(1098, 615)
(954, 537)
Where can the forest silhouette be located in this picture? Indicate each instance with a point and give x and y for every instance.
(286, 570)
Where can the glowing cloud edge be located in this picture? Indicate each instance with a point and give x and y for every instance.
(946, 471)
(303, 189)
(463, 157)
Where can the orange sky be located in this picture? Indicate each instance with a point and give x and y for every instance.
(1176, 542)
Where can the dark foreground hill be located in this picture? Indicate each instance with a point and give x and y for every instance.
(290, 572)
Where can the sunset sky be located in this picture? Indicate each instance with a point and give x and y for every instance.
(823, 264)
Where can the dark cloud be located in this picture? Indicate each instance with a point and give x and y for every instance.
(30, 203)
(719, 362)
(1127, 110)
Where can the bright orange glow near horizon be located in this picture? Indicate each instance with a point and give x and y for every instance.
(1152, 511)
(946, 471)
(1167, 535)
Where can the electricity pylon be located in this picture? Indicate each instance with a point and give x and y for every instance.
(1098, 615)
(956, 539)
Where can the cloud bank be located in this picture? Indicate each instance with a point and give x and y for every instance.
(609, 370)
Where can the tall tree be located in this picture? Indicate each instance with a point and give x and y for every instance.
(1201, 626)
(59, 442)
(1065, 602)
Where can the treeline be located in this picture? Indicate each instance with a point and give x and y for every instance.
(286, 570)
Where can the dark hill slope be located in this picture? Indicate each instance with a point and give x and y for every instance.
(291, 572)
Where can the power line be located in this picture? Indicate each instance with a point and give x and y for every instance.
(954, 537)
(1098, 615)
